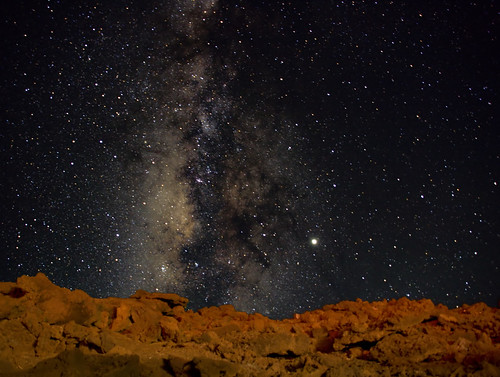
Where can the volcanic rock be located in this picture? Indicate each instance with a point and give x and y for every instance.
(46, 330)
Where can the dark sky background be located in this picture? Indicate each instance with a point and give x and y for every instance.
(274, 155)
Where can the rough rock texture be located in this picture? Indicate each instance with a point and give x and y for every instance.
(46, 330)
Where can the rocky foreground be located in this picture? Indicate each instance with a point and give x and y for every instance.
(46, 330)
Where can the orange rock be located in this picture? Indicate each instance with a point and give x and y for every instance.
(47, 329)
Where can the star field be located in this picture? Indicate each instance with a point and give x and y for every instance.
(275, 156)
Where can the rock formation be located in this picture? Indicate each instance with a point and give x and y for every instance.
(46, 330)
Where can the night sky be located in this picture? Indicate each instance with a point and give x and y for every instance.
(277, 156)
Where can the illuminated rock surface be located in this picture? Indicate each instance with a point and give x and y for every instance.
(46, 330)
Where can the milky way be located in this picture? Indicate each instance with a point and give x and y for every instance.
(216, 199)
(277, 157)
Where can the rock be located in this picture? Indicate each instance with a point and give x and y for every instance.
(122, 318)
(111, 340)
(35, 284)
(48, 330)
(16, 344)
(50, 341)
(414, 347)
(281, 344)
(169, 298)
(76, 363)
(169, 328)
(206, 367)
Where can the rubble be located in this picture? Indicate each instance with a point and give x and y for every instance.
(46, 330)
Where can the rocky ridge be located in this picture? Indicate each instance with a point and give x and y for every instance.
(46, 330)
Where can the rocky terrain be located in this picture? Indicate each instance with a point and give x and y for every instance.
(46, 330)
